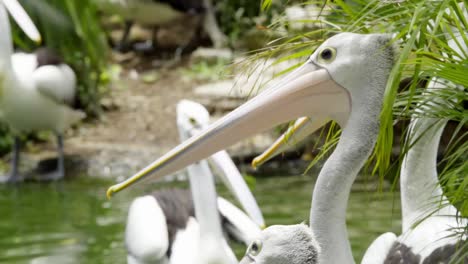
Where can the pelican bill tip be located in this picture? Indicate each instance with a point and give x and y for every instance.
(258, 161)
(253, 164)
(38, 40)
(111, 192)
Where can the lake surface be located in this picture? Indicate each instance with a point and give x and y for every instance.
(73, 222)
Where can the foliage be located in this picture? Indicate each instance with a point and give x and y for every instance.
(206, 71)
(72, 28)
(241, 16)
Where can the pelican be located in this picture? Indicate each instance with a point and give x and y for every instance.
(35, 91)
(431, 240)
(161, 227)
(161, 12)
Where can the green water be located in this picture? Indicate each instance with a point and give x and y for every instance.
(73, 222)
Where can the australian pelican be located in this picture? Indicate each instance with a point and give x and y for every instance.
(35, 92)
(180, 226)
(424, 239)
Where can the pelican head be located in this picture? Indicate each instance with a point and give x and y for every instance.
(192, 117)
(281, 244)
(344, 78)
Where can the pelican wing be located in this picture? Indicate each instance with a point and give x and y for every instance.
(379, 249)
(56, 82)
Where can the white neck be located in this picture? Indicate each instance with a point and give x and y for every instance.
(205, 199)
(419, 184)
(333, 186)
(206, 209)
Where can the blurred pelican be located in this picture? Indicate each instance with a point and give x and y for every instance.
(35, 91)
(162, 228)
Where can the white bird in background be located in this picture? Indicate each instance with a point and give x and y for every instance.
(35, 90)
(426, 227)
(425, 238)
(161, 228)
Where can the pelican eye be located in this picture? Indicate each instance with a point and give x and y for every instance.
(255, 248)
(327, 55)
(192, 121)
